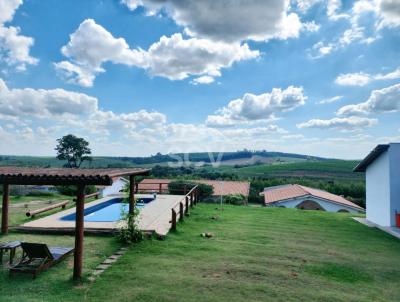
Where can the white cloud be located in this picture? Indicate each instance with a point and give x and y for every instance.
(253, 107)
(348, 123)
(173, 57)
(389, 13)
(40, 115)
(362, 79)
(331, 100)
(42, 103)
(14, 47)
(380, 101)
(305, 5)
(229, 21)
(203, 80)
(353, 79)
(71, 110)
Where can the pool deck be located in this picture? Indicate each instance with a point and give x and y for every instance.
(153, 218)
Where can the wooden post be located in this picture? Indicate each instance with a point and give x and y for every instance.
(160, 188)
(4, 210)
(131, 194)
(186, 205)
(191, 201)
(79, 229)
(181, 213)
(191, 198)
(173, 220)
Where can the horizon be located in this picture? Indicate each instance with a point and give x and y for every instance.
(166, 154)
(136, 77)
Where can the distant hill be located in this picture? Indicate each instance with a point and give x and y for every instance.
(227, 158)
(316, 169)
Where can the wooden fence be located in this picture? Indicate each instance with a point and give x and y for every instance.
(180, 210)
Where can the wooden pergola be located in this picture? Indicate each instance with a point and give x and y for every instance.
(66, 177)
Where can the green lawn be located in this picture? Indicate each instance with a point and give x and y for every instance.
(256, 254)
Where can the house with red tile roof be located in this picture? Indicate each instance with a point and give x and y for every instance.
(305, 198)
(221, 187)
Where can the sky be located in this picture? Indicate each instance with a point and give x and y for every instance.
(137, 77)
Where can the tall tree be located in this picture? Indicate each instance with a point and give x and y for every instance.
(74, 150)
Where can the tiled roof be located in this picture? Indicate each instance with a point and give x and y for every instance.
(220, 187)
(285, 192)
(54, 176)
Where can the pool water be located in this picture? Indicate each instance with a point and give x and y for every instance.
(108, 211)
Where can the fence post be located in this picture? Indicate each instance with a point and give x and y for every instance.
(181, 211)
(187, 205)
(173, 220)
(160, 188)
(191, 201)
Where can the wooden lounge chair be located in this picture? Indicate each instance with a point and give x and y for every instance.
(38, 257)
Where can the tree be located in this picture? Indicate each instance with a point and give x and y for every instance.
(74, 150)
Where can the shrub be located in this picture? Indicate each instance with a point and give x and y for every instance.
(71, 190)
(235, 199)
(40, 193)
(179, 187)
(130, 233)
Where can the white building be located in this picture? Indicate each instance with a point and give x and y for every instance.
(116, 188)
(382, 168)
(305, 198)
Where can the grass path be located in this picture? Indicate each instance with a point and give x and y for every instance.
(256, 254)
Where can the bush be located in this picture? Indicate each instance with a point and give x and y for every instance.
(71, 190)
(130, 233)
(179, 187)
(40, 193)
(235, 199)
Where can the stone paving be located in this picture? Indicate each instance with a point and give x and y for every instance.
(102, 267)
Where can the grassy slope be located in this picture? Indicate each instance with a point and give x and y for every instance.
(259, 254)
(313, 169)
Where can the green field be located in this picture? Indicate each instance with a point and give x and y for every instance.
(256, 254)
(312, 169)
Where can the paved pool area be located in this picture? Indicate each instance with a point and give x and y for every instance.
(101, 216)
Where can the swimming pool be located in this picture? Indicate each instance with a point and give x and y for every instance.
(108, 211)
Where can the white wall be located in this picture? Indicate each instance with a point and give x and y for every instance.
(117, 186)
(394, 166)
(378, 190)
(328, 206)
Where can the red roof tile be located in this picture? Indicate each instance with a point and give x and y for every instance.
(220, 187)
(281, 193)
(54, 176)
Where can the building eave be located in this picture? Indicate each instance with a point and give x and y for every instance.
(370, 158)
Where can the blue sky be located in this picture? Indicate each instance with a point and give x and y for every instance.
(136, 77)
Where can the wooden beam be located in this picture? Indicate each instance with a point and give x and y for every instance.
(4, 210)
(79, 231)
(131, 194)
(42, 210)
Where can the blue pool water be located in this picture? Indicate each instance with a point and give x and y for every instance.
(108, 211)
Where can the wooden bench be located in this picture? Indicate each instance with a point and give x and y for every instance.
(62, 205)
